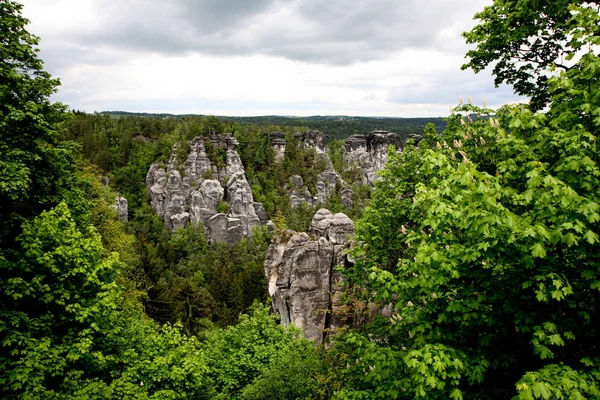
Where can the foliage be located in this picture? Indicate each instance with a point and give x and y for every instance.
(525, 40)
(337, 127)
(35, 165)
(249, 360)
(485, 242)
(64, 331)
(190, 281)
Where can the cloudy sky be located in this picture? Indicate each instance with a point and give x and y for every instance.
(259, 57)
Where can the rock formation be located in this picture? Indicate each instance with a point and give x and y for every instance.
(369, 152)
(327, 180)
(303, 284)
(121, 205)
(193, 190)
(315, 139)
(278, 144)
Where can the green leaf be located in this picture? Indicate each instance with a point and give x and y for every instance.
(537, 250)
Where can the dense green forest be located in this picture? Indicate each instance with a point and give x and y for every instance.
(337, 127)
(483, 240)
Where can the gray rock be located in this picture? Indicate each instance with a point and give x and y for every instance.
(218, 228)
(369, 152)
(298, 197)
(121, 206)
(278, 145)
(340, 229)
(261, 213)
(315, 139)
(295, 201)
(326, 184)
(347, 196)
(192, 190)
(234, 162)
(205, 201)
(320, 223)
(300, 272)
(178, 221)
(235, 230)
(416, 138)
(241, 203)
(296, 181)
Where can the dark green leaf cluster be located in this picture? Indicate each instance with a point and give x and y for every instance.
(34, 164)
(484, 242)
(525, 41)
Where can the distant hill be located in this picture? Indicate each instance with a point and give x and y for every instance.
(337, 126)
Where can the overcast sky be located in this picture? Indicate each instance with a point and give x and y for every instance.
(259, 57)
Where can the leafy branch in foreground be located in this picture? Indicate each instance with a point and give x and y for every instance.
(484, 240)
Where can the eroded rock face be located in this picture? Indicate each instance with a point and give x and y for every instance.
(304, 287)
(326, 184)
(369, 152)
(191, 191)
(121, 205)
(315, 139)
(327, 181)
(278, 145)
(347, 196)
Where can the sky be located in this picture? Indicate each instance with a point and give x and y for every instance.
(262, 57)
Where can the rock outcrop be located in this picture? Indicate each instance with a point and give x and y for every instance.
(298, 192)
(327, 181)
(369, 152)
(196, 189)
(278, 145)
(315, 139)
(303, 284)
(121, 205)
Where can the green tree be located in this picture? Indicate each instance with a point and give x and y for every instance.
(66, 331)
(248, 360)
(484, 241)
(52, 292)
(35, 165)
(525, 41)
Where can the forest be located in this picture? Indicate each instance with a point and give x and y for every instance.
(337, 127)
(480, 237)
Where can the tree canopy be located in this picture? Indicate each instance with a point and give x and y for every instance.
(526, 41)
(35, 165)
(484, 242)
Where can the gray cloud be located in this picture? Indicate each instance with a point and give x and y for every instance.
(348, 33)
(336, 32)
(446, 90)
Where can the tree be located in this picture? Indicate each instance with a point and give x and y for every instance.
(528, 40)
(484, 241)
(35, 165)
(66, 330)
(249, 360)
(52, 291)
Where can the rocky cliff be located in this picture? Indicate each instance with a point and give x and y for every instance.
(206, 185)
(201, 191)
(278, 145)
(369, 152)
(121, 205)
(304, 286)
(327, 181)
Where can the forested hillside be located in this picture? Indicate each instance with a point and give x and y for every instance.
(337, 127)
(474, 271)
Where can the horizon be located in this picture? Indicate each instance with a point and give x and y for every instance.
(235, 58)
(259, 116)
